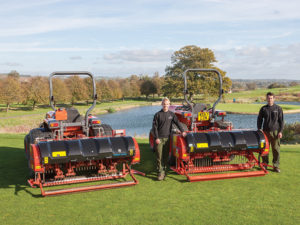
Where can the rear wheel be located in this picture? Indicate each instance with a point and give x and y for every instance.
(31, 138)
(151, 140)
(172, 159)
(176, 129)
(102, 130)
(39, 133)
(184, 126)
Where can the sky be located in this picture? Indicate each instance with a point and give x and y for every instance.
(251, 39)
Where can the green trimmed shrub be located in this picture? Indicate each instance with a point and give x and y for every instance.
(111, 110)
(291, 133)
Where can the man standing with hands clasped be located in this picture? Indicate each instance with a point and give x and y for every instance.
(271, 116)
(162, 125)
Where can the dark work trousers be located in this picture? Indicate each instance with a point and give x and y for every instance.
(162, 154)
(274, 142)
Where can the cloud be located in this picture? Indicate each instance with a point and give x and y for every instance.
(75, 58)
(139, 55)
(203, 12)
(40, 47)
(38, 25)
(135, 14)
(11, 64)
(125, 70)
(249, 37)
(272, 62)
(14, 5)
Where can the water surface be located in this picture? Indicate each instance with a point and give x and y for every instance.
(138, 121)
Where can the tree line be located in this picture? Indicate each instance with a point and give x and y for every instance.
(35, 90)
(72, 89)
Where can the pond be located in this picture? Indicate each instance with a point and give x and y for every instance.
(138, 121)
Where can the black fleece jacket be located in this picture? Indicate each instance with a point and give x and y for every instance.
(271, 117)
(162, 124)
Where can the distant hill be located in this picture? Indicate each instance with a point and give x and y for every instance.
(266, 80)
(251, 84)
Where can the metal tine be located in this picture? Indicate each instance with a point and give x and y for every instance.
(208, 162)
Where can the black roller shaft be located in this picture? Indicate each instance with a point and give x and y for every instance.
(225, 141)
(78, 150)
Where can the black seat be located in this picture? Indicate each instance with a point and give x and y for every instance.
(198, 107)
(73, 115)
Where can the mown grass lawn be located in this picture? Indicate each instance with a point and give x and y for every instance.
(251, 108)
(272, 199)
(20, 110)
(21, 119)
(260, 94)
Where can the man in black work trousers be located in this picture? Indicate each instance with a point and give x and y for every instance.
(271, 116)
(162, 125)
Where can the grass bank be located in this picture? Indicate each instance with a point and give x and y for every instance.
(244, 108)
(21, 119)
(272, 199)
(100, 108)
(282, 94)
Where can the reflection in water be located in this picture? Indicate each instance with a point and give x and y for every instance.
(138, 121)
(249, 121)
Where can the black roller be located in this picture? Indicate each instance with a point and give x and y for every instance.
(78, 150)
(225, 141)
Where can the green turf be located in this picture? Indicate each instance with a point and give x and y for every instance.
(250, 108)
(20, 110)
(21, 119)
(272, 199)
(260, 94)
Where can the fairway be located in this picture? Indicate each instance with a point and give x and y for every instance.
(271, 199)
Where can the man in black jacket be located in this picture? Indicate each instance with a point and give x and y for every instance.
(162, 125)
(271, 116)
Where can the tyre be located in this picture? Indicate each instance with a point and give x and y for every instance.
(175, 127)
(102, 130)
(151, 140)
(40, 133)
(172, 160)
(34, 134)
(184, 126)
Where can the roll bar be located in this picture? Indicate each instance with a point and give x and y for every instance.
(185, 91)
(74, 73)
